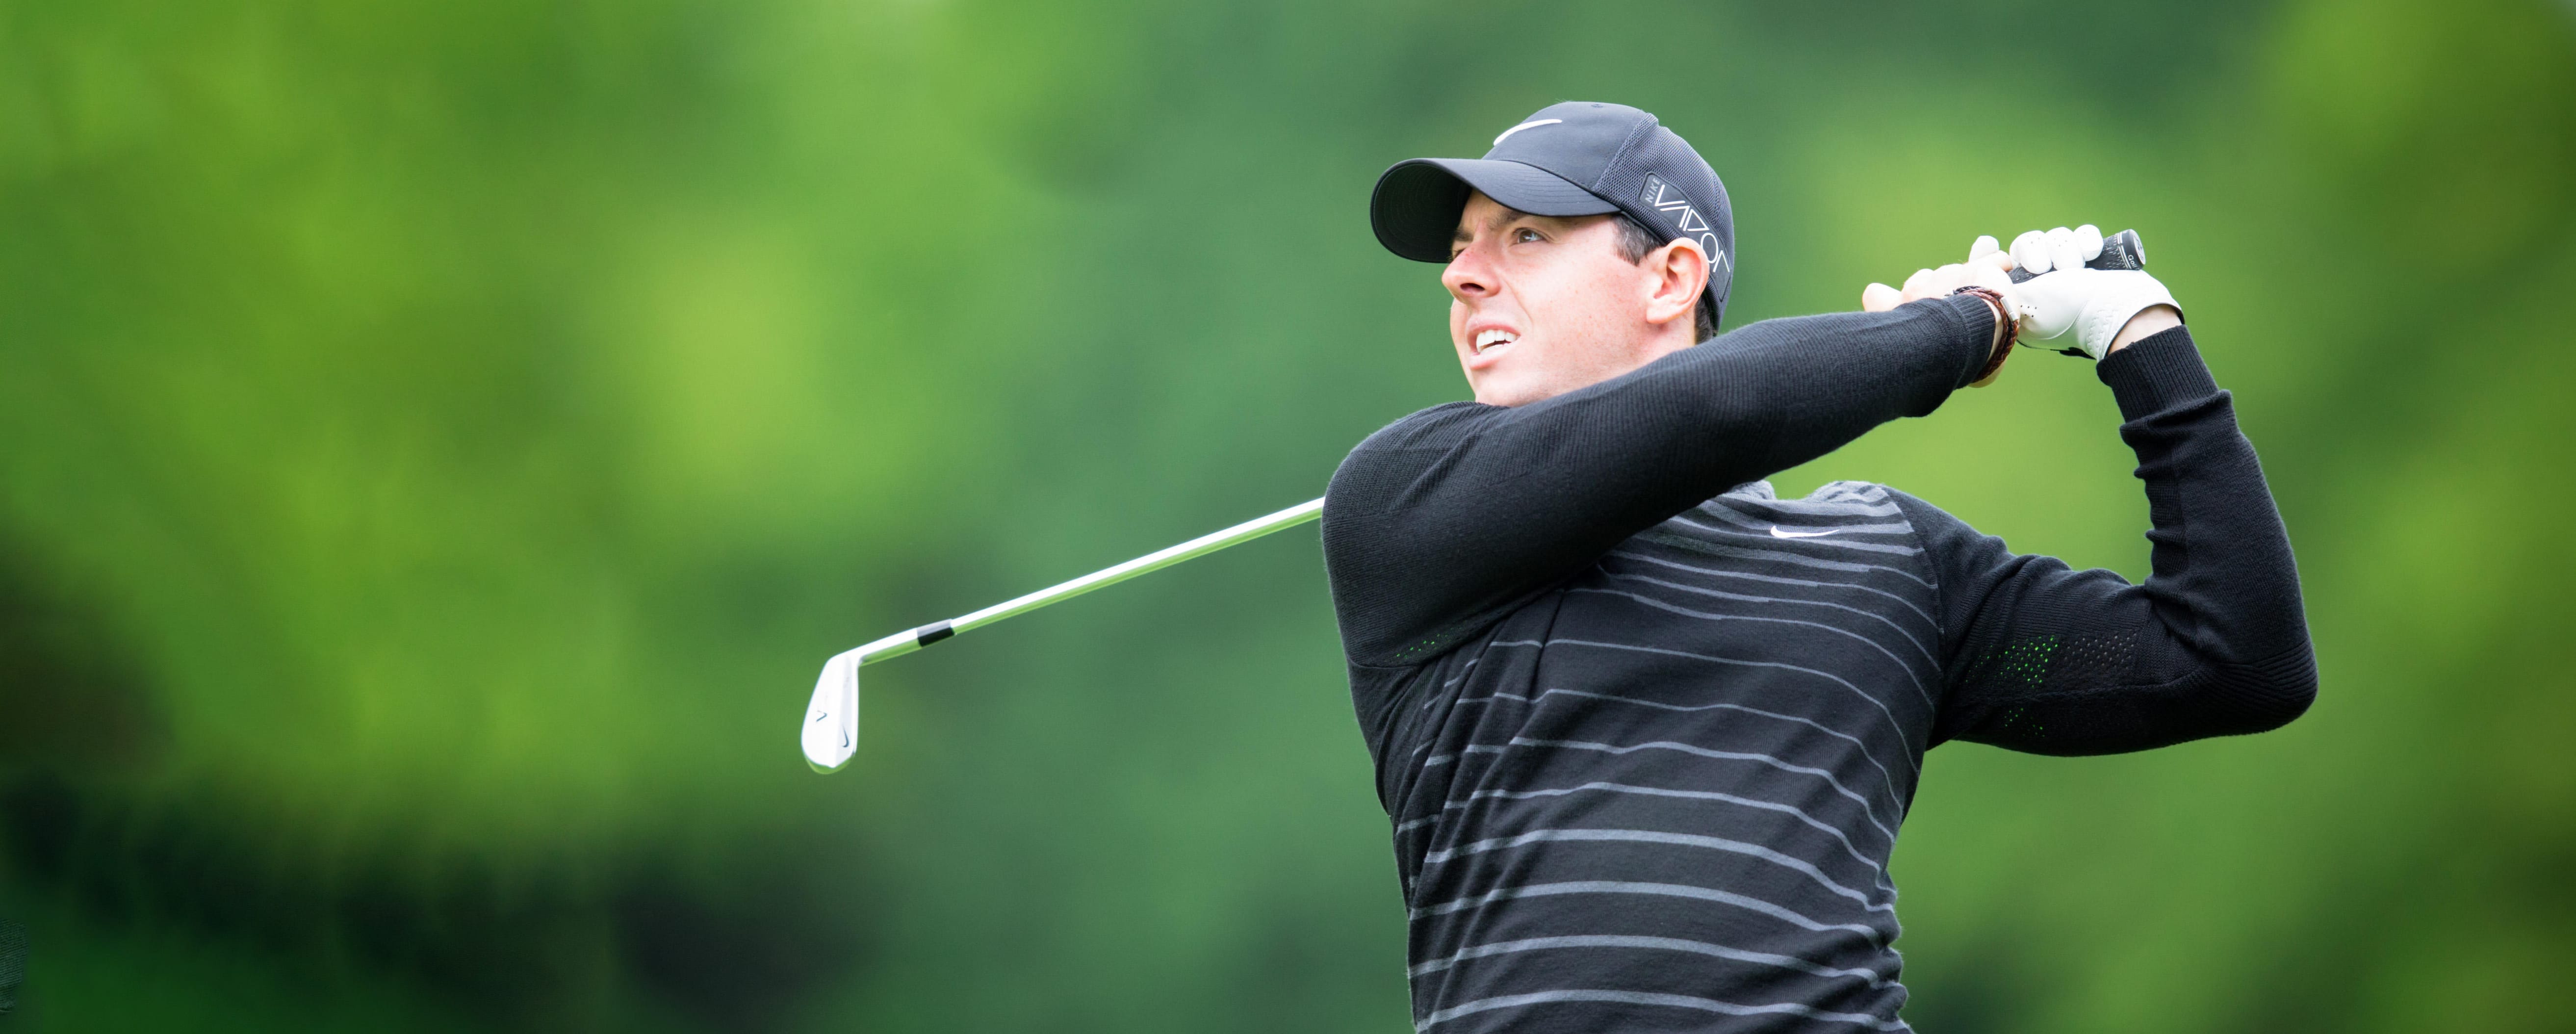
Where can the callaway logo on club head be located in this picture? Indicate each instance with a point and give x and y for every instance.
(825, 715)
(1661, 197)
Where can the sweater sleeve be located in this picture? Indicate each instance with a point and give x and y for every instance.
(2045, 659)
(1441, 523)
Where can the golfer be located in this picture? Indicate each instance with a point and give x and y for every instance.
(1647, 731)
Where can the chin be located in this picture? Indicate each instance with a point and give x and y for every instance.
(1508, 390)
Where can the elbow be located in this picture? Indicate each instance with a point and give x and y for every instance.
(2266, 695)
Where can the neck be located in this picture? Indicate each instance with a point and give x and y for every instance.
(1667, 340)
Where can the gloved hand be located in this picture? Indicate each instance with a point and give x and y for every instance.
(2092, 303)
(2040, 251)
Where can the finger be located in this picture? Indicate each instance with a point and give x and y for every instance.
(2031, 250)
(2061, 249)
(1986, 252)
(1919, 285)
(1879, 298)
(2088, 242)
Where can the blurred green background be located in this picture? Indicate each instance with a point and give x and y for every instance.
(440, 441)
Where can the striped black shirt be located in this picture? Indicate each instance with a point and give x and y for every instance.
(1647, 732)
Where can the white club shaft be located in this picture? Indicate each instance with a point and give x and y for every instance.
(902, 643)
(831, 732)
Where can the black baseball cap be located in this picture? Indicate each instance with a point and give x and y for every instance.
(1574, 158)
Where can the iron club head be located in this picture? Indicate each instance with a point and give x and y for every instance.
(832, 720)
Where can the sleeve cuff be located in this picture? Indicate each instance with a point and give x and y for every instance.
(1974, 323)
(2156, 373)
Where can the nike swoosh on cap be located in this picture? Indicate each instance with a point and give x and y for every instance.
(1779, 534)
(1498, 141)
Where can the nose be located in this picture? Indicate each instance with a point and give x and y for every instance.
(1469, 276)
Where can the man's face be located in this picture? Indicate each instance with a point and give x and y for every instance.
(1542, 305)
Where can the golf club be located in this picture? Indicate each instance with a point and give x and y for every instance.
(831, 733)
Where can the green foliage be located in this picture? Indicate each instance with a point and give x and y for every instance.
(439, 442)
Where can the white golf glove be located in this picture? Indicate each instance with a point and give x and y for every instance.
(2093, 303)
(2040, 251)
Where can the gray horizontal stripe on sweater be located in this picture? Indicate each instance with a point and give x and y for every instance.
(1790, 810)
(1649, 836)
(1663, 890)
(1655, 998)
(1766, 525)
(1724, 549)
(1828, 541)
(1838, 680)
(1722, 755)
(1738, 597)
(1777, 580)
(1910, 675)
(1885, 777)
(1718, 951)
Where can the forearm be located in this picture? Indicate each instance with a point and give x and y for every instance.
(2222, 573)
(1430, 530)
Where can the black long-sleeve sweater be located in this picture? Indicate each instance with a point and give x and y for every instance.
(1647, 732)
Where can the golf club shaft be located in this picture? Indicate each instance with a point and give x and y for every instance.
(2121, 250)
(901, 643)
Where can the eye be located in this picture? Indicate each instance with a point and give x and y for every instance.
(1525, 235)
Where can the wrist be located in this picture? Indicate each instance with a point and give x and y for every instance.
(2162, 372)
(1999, 342)
(2150, 321)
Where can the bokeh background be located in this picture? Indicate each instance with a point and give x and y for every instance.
(441, 439)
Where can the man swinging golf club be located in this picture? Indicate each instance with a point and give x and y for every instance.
(1646, 731)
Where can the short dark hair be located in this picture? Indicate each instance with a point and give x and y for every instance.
(1635, 240)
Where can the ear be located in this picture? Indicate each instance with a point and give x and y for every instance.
(1678, 272)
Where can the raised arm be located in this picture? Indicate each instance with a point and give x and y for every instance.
(1439, 524)
(2050, 660)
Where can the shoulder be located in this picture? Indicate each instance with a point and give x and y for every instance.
(1839, 498)
(1868, 500)
(1855, 494)
(1400, 452)
(1431, 428)
(1930, 522)
(1857, 505)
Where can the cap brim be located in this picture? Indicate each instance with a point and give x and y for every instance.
(1415, 207)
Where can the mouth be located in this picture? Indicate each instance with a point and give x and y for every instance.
(1492, 341)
